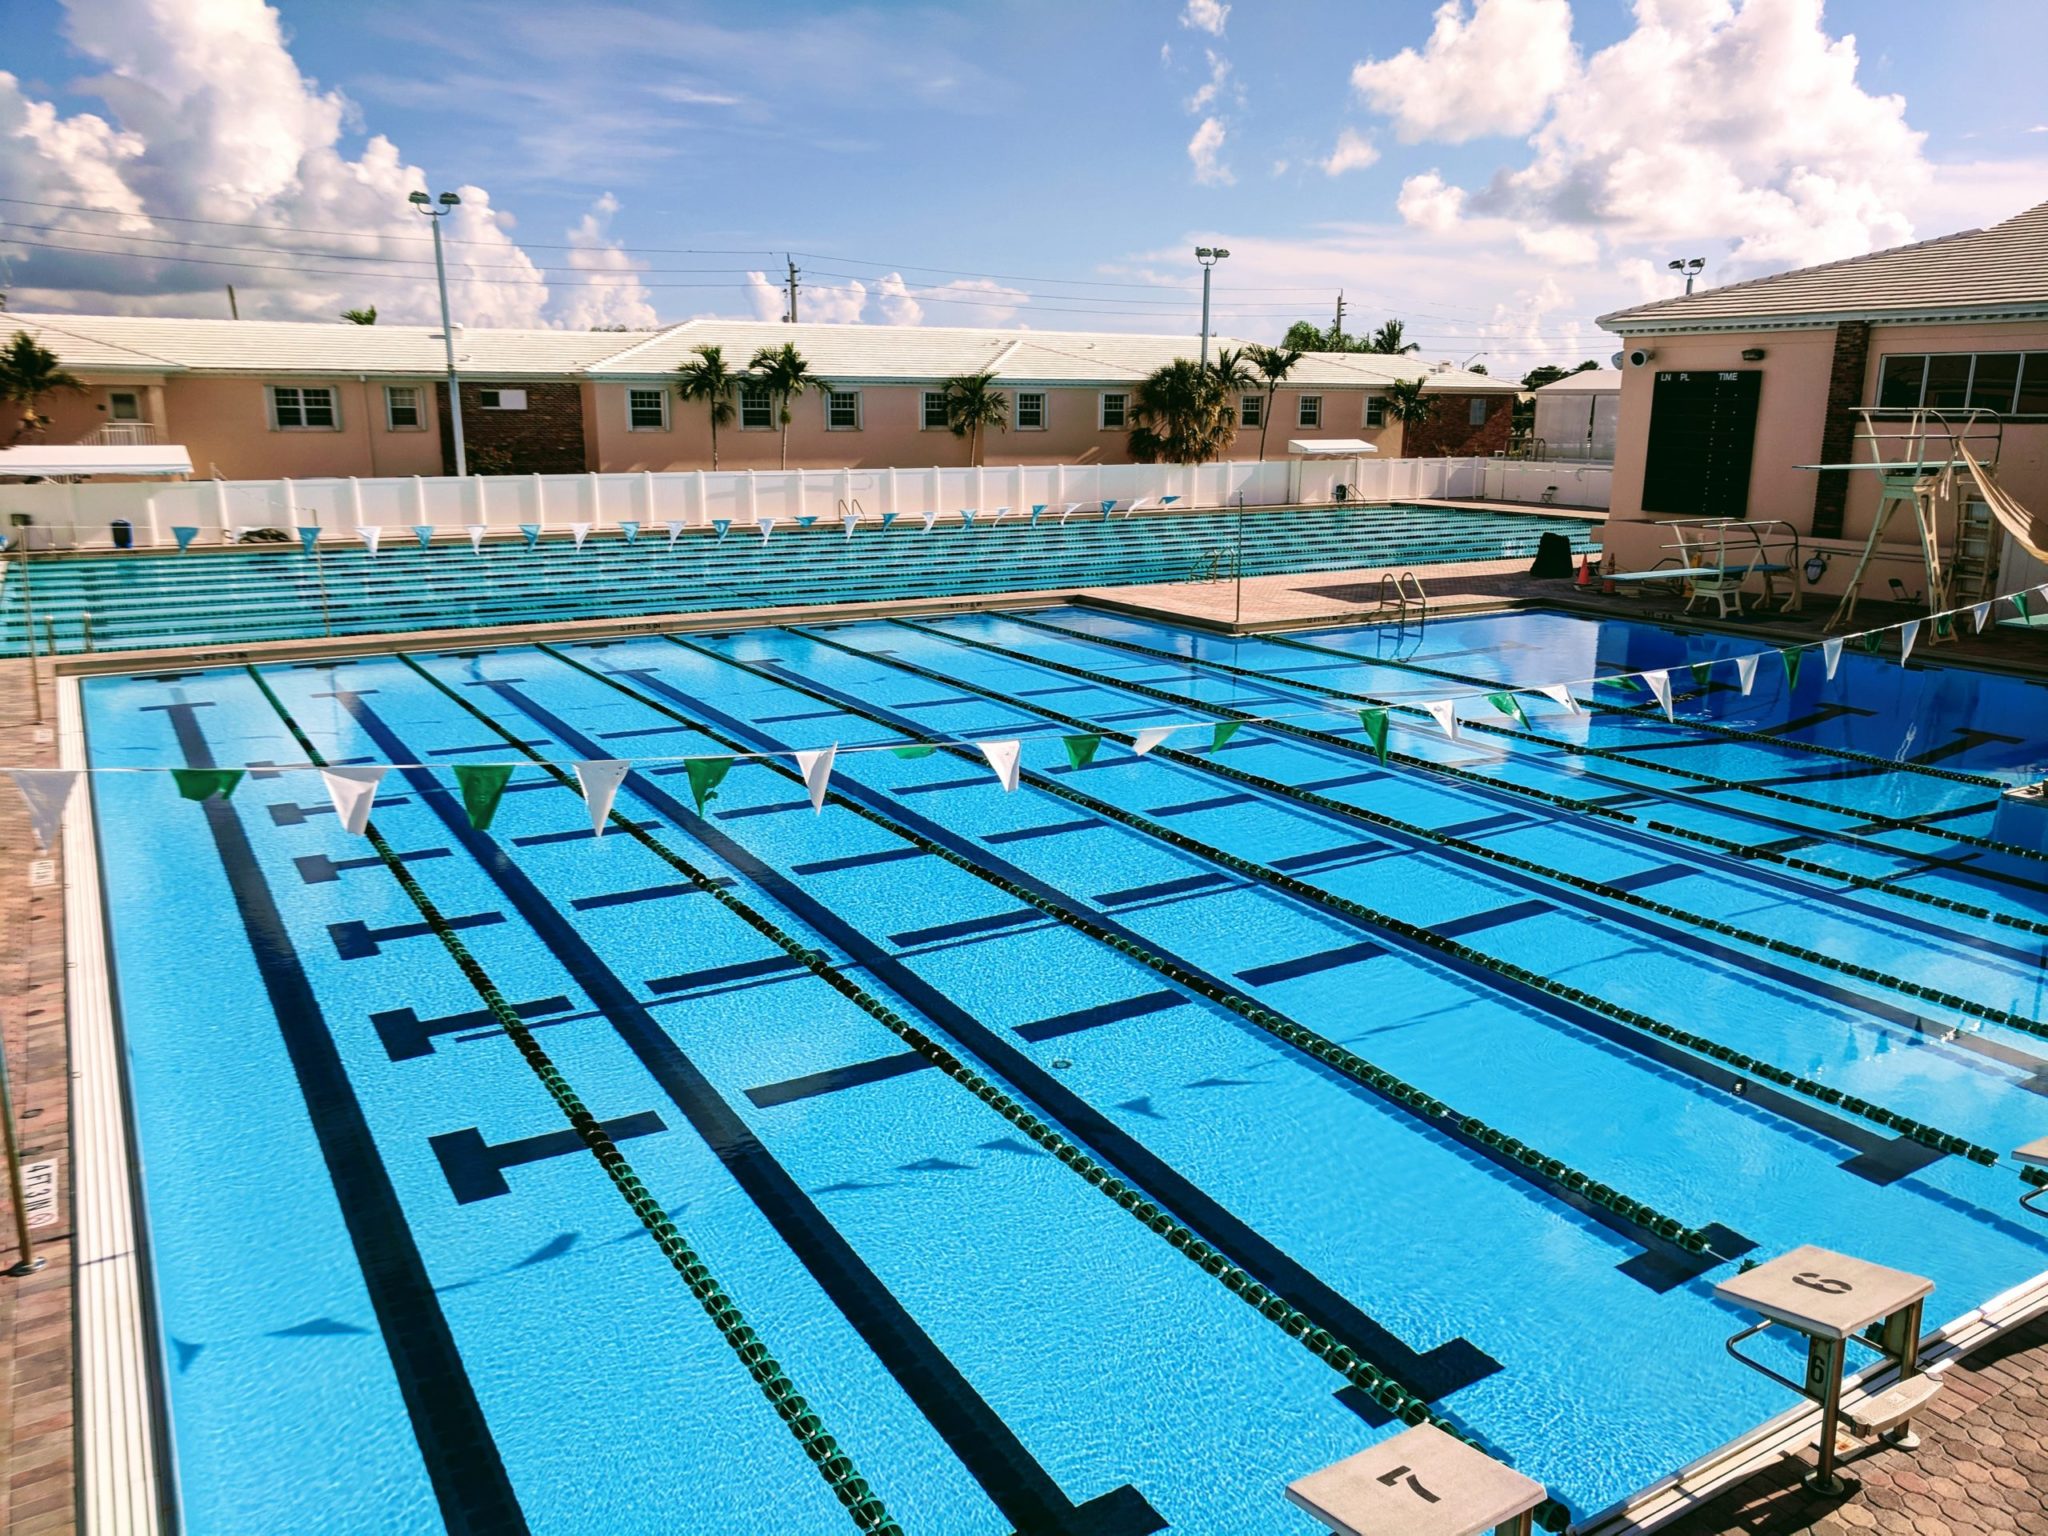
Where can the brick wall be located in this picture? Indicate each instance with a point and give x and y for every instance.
(1449, 431)
(1838, 434)
(544, 439)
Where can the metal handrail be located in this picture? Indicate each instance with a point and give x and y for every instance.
(1410, 579)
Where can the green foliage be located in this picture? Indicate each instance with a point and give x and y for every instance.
(366, 316)
(708, 381)
(1182, 414)
(28, 371)
(1550, 373)
(1403, 401)
(974, 404)
(786, 374)
(1273, 365)
(1391, 338)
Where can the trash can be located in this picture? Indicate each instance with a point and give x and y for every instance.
(124, 533)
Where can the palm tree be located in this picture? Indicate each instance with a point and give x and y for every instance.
(1273, 365)
(1403, 400)
(1181, 414)
(360, 316)
(710, 381)
(1388, 338)
(784, 373)
(28, 371)
(972, 403)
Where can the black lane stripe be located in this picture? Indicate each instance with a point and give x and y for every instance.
(462, 1461)
(1015, 1483)
(1433, 1374)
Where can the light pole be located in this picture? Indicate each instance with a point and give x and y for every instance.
(1689, 268)
(1208, 256)
(449, 202)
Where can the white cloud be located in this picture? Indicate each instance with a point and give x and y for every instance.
(976, 301)
(1354, 152)
(615, 295)
(1732, 124)
(899, 306)
(1427, 202)
(1211, 90)
(1205, 16)
(1205, 151)
(1280, 167)
(770, 301)
(833, 303)
(1494, 71)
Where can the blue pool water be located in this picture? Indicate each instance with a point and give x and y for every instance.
(229, 596)
(398, 1295)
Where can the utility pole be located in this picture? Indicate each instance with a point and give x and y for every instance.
(790, 318)
(1208, 256)
(234, 310)
(449, 202)
(1337, 327)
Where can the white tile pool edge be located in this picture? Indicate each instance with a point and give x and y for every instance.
(1772, 1441)
(119, 1482)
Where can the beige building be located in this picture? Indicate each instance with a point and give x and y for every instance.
(1726, 394)
(257, 399)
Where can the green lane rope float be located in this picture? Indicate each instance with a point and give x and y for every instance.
(1389, 1393)
(1916, 1130)
(1987, 1012)
(1406, 1096)
(867, 1510)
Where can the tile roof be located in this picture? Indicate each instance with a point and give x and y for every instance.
(1980, 273)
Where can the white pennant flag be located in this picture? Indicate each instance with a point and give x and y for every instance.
(929, 519)
(46, 790)
(1745, 671)
(1659, 683)
(1004, 757)
(675, 531)
(849, 523)
(1150, 737)
(476, 537)
(1982, 612)
(1560, 694)
(370, 536)
(1908, 633)
(816, 767)
(1831, 654)
(353, 791)
(1445, 713)
(600, 778)
(766, 525)
(579, 532)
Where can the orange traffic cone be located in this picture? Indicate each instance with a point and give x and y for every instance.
(1585, 576)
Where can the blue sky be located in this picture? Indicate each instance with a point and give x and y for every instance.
(1522, 166)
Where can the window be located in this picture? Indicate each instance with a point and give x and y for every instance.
(1310, 412)
(646, 410)
(124, 405)
(1115, 412)
(501, 399)
(842, 410)
(1375, 411)
(2010, 383)
(757, 408)
(1477, 413)
(935, 410)
(304, 408)
(1251, 410)
(402, 408)
(1030, 412)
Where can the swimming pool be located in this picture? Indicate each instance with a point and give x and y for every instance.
(1075, 1153)
(231, 596)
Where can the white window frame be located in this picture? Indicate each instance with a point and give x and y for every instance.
(1044, 399)
(114, 410)
(859, 418)
(762, 393)
(299, 393)
(419, 408)
(496, 397)
(1375, 410)
(1308, 411)
(1122, 397)
(661, 399)
(1257, 402)
(929, 401)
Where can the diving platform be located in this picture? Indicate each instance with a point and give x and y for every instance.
(1421, 1482)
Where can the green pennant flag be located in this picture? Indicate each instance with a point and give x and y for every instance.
(1790, 657)
(1375, 723)
(1508, 704)
(1702, 673)
(1081, 749)
(706, 774)
(482, 786)
(922, 749)
(1225, 729)
(1873, 641)
(1625, 680)
(199, 783)
(2019, 601)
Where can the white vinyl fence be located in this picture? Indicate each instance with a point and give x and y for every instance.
(83, 515)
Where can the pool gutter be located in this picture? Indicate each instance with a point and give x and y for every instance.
(1792, 1432)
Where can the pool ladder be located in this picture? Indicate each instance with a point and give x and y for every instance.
(1399, 593)
(846, 509)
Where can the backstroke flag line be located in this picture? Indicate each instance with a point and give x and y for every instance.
(600, 778)
(816, 767)
(1445, 714)
(46, 790)
(1005, 757)
(1150, 737)
(353, 791)
(1831, 654)
(1908, 633)
(476, 537)
(1560, 694)
(1660, 685)
(1745, 671)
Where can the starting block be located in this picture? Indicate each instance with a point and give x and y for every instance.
(1421, 1482)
